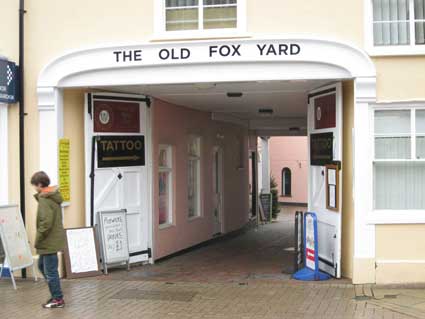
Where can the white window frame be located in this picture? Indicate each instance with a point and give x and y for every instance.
(168, 169)
(162, 34)
(390, 50)
(395, 216)
(198, 158)
(4, 153)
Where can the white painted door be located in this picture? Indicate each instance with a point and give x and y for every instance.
(321, 121)
(119, 188)
(218, 190)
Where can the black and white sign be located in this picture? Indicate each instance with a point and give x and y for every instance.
(212, 52)
(321, 149)
(114, 238)
(120, 150)
(8, 82)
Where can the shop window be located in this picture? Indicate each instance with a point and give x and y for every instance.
(190, 15)
(194, 176)
(286, 182)
(399, 163)
(165, 181)
(398, 22)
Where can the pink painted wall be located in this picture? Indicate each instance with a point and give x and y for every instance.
(291, 152)
(171, 126)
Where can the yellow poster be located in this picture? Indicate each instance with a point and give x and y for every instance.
(64, 169)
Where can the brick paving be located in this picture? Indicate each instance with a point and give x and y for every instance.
(203, 284)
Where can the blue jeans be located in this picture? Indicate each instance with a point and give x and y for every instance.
(48, 266)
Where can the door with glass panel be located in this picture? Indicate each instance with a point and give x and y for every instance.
(325, 148)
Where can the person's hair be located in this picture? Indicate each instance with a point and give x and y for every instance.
(40, 178)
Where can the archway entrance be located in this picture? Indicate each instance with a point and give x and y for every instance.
(233, 81)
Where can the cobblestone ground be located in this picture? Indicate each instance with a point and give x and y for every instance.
(204, 284)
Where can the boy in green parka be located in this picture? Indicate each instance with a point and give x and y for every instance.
(50, 237)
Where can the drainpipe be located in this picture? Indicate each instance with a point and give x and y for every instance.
(21, 115)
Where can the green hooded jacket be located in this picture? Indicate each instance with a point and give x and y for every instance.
(50, 237)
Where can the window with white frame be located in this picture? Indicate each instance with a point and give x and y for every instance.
(165, 181)
(399, 159)
(398, 22)
(183, 15)
(194, 176)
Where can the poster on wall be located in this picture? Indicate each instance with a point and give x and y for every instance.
(120, 150)
(64, 169)
(321, 149)
(332, 187)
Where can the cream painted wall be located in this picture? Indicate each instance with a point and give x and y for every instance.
(347, 181)
(9, 23)
(172, 124)
(400, 253)
(74, 130)
(314, 18)
(400, 78)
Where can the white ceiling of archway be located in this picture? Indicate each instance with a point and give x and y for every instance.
(288, 99)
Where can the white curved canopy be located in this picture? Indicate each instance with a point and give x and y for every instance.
(252, 59)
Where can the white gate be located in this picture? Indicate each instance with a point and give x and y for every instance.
(325, 122)
(119, 187)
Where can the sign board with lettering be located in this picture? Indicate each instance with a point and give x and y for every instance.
(321, 149)
(120, 150)
(325, 111)
(81, 253)
(64, 169)
(114, 238)
(8, 82)
(311, 251)
(266, 206)
(116, 116)
(15, 250)
(14, 238)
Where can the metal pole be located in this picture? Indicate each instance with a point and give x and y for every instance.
(22, 115)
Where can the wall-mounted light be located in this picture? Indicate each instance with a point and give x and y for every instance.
(265, 112)
(219, 136)
(234, 94)
(204, 86)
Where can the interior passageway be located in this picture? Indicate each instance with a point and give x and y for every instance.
(258, 253)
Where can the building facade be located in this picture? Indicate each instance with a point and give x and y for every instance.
(199, 76)
(288, 167)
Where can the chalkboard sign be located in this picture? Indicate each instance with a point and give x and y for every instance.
(114, 238)
(321, 149)
(266, 205)
(81, 253)
(120, 150)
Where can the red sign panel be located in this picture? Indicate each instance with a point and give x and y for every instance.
(116, 117)
(325, 111)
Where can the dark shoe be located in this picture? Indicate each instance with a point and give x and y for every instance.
(54, 303)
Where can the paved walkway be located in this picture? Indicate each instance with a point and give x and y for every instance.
(263, 253)
(203, 284)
